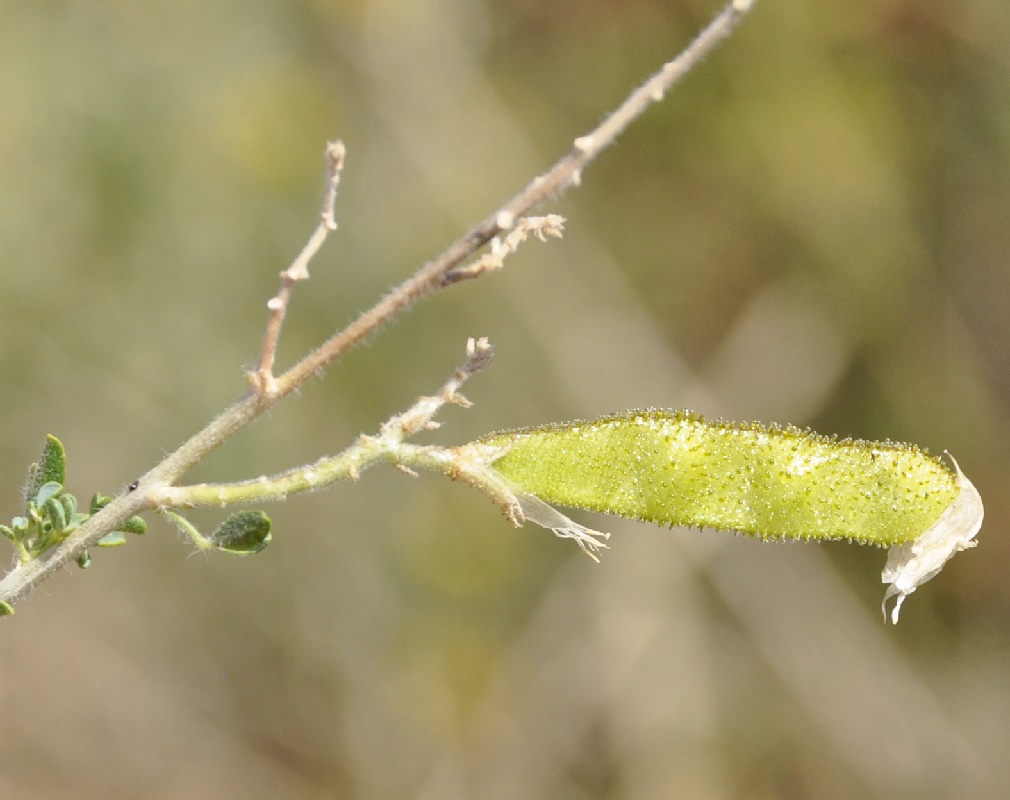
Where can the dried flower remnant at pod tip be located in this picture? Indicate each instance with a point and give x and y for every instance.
(911, 564)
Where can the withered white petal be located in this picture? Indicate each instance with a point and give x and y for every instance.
(536, 510)
(911, 565)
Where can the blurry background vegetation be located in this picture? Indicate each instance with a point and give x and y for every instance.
(814, 229)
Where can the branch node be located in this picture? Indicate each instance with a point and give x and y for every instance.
(505, 219)
(264, 383)
(540, 227)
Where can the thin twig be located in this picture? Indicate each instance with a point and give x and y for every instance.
(366, 451)
(430, 278)
(262, 380)
(566, 172)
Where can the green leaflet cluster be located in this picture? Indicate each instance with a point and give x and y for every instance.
(51, 513)
(677, 468)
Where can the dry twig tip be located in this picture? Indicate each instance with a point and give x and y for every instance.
(263, 380)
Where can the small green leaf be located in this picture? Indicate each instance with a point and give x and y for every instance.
(54, 508)
(69, 503)
(6, 609)
(51, 468)
(47, 490)
(20, 526)
(8, 533)
(84, 560)
(244, 533)
(113, 539)
(98, 502)
(135, 525)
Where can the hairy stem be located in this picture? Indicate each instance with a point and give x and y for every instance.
(388, 446)
(437, 274)
(263, 378)
(566, 172)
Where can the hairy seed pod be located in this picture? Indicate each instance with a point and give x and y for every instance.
(677, 468)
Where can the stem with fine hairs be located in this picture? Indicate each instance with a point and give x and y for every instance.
(441, 272)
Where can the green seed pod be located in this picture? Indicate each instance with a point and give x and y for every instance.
(677, 468)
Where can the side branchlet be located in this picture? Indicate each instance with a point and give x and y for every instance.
(53, 532)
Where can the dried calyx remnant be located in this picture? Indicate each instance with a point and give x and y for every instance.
(677, 468)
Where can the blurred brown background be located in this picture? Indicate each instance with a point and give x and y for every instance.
(814, 229)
